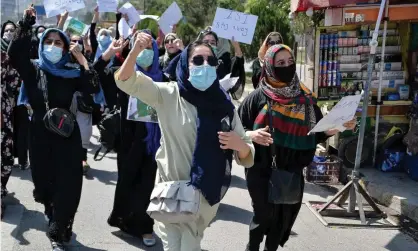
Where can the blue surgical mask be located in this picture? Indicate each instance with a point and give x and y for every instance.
(202, 77)
(145, 58)
(104, 41)
(52, 53)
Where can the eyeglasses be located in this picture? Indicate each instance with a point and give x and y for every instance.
(271, 43)
(210, 42)
(200, 60)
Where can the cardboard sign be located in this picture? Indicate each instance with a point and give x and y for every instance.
(75, 26)
(230, 23)
(169, 18)
(132, 13)
(56, 7)
(107, 5)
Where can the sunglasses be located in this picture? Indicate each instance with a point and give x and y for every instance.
(77, 41)
(200, 60)
(274, 43)
(169, 41)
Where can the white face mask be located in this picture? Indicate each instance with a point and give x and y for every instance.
(8, 36)
(39, 35)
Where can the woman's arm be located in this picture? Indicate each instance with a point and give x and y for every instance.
(62, 20)
(136, 83)
(19, 49)
(93, 37)
(118, 18)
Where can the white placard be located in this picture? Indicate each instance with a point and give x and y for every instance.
(56, 7)
(124, 29)
(227, 82)
(342, 112)
(230, 23)
(169, 18)
(107, 5)
(132, 13)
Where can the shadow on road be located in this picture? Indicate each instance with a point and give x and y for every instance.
(80, 247)
(238, 182)
(37, 222)
(106, 177)
(136, 242)
(232, 213)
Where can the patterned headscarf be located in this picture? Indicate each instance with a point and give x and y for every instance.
(265, 46)
(292, 105)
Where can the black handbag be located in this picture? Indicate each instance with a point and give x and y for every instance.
(284, 187)
(56, 120)
(82, 106)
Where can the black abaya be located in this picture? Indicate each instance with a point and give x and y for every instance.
(56, 161)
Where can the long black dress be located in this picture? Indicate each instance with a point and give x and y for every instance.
(274, 221)
(56, 161)
(136, 168)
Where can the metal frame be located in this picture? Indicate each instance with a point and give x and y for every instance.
(353, 191)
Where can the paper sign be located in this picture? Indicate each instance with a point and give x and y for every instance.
(56, 7)
(107, 5)
(230, 23)
(342, 112)
(124, 29)
(227, 82)
(170, 17)
(75, 26)
(139, 111)
(132, 13)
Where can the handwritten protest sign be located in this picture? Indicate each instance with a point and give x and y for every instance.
(169, 18)
(132, 13)
(139, 111)
(230, 23)
(342, 112)
(75, 26)
(56, 7)
(107, 5)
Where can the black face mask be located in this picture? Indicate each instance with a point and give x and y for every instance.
(285, 74)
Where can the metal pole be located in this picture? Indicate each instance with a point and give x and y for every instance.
(379, 92)
(373, 45)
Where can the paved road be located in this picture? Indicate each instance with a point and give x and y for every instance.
(23, 227)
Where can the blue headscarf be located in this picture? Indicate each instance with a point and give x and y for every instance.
(154, 72)
(101, 49)
(59, 69)
(211, 166)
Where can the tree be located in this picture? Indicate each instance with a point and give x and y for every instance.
(271, 17)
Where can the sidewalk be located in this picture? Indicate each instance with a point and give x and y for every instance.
(394, 190)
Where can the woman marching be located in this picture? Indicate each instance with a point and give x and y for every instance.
(55, 145)
(277, 116)
(195, 147)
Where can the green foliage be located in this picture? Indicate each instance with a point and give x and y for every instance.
(271, 17)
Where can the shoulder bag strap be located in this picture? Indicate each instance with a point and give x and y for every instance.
(272, 146)
(42, 81)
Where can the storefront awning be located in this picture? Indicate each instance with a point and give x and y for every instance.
(303, 5)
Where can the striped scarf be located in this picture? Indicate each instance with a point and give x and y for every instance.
(292, 108)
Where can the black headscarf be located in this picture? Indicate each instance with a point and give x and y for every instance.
(4, 43)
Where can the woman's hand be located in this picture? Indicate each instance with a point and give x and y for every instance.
(231, 140)
(115, 47)
(350, 125)
(237, 48)
(75, 51)
(261, 136)
(87, 44)
(142, 41)
(179, 44)
(30, 11)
